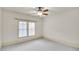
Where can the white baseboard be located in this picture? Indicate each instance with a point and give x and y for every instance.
(17, 41)
(64, 41)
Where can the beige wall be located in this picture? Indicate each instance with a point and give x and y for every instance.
(0, 28)
(10, 27)
(63, 27)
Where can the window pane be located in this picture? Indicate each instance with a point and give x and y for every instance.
(22, 25)
(22, 29)
(24, 33)
(20, 33)
(31, 28)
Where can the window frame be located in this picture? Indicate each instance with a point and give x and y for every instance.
(27, 28)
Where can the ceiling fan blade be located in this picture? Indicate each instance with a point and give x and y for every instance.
(46, 10)
(45, 13)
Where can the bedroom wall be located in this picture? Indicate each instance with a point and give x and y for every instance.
(10, 31)
(63, 27)
(0, 27)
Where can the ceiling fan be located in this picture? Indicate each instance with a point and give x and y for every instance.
(42, 11)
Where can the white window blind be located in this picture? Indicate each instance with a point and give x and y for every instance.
(22, 29)
(26, 28)
(31, 28)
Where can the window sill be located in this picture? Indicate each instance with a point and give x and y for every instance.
(27, 36)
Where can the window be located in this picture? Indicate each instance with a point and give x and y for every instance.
(31, 29)
(22, 29)
(26, 28)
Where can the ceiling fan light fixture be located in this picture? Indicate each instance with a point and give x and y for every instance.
(42, 11)
(39, 13)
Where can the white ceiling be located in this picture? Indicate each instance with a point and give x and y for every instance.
(25, 10)
(32, 11)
